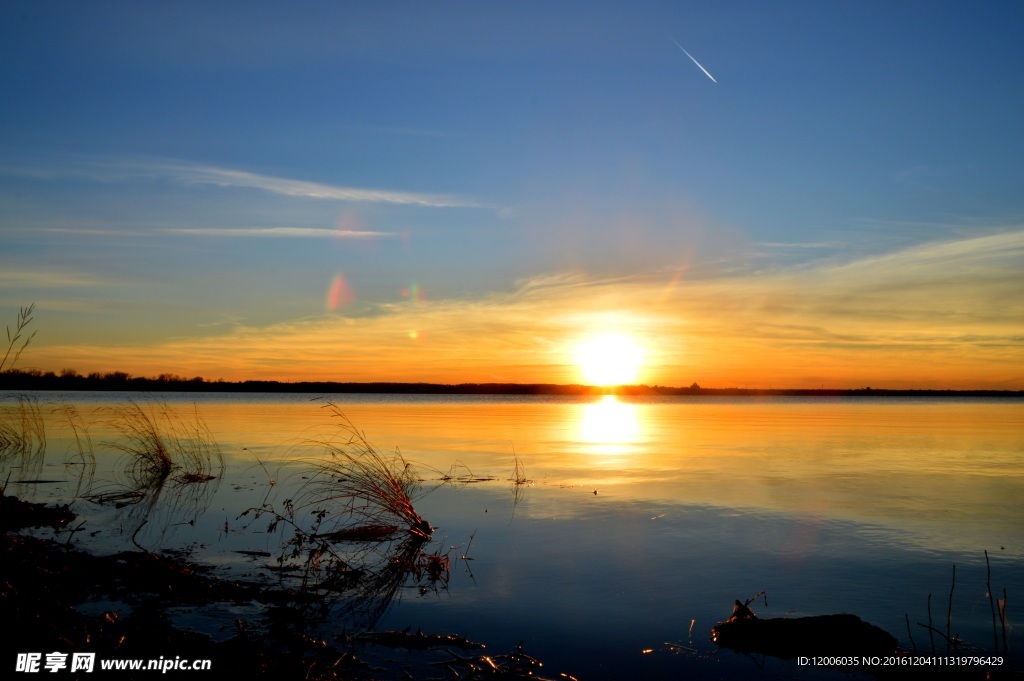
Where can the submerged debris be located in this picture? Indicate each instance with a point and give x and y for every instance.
(419, 640)
(516, 664)
(16, 514)
(841, 634)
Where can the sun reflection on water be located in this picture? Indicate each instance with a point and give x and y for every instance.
(609, 427)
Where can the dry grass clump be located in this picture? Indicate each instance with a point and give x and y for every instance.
(149, 457)
(360, 490)
(352, 530)
(164, 451)
(159, 442)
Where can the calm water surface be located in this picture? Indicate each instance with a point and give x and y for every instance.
(643, 521)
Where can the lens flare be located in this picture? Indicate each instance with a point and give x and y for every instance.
(339, 294)
(413, 293)
(349, 222)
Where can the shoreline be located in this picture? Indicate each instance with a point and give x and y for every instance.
(25, 381)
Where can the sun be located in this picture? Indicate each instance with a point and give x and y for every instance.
(609, 359)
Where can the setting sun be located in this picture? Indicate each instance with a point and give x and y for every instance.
(609, 359)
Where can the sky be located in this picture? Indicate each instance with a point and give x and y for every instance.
(741, 194)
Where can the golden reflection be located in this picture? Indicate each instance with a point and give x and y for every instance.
(609, 426)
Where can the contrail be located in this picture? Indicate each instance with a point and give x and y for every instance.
(694, 60)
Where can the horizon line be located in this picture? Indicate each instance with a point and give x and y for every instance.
(117, 379)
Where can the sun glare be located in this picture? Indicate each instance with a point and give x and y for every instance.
(609, 359)
(609, 425)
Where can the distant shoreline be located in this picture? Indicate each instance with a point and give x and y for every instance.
(34, 380)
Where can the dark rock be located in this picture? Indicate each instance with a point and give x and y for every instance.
(841, 634)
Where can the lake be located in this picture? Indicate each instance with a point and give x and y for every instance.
(634, 525)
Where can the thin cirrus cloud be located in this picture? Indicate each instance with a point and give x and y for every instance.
(278, 232)
(228, 232)
(123, 170)
(197, 174)
(14, 277)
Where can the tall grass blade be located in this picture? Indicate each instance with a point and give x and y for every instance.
(24, 319)
(81, 454)
(22, 433)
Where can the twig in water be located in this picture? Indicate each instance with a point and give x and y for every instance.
(463, 478)
(465, 556)
(83, 449)
(954, 640)
(71, 532)
(270, 478)
(519, 480)
(949, 612)
(518, 472)
(136, 532)
(910, 635)
(992, 603)
(931, 629)
(1002, 615)
(755, 597)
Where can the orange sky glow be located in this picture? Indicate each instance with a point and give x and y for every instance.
(936, 316)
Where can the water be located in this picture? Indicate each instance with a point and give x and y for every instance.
(643, 519)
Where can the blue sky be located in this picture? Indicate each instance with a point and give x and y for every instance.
(190, 172)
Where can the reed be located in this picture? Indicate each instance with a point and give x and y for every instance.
(518, 471)
(81, 454)
(519, 481)
(24, 319)
(22, 431)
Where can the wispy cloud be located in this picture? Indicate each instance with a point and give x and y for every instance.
(48, 278)
(277, 232)
(945, 258)
(796, 245)
(129, 169)
(199, 174)
(225, 232)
